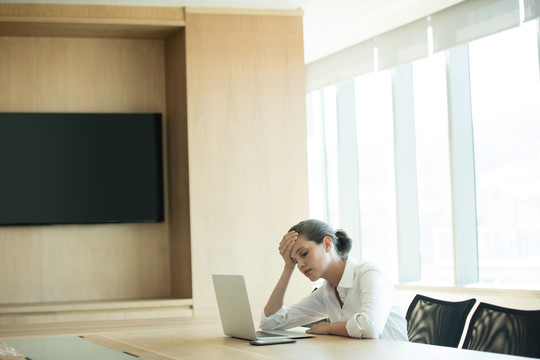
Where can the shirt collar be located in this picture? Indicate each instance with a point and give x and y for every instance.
(347, 279)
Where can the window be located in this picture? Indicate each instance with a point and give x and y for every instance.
(316, 156)
(505, 93)
(503, 185)
(331, 142)
(374, 123)
(322, 155)
(433, 169)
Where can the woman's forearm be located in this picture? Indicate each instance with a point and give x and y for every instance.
(275, 302)
(326, 328)
(339, 328)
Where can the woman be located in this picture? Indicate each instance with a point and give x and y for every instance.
(358, 300)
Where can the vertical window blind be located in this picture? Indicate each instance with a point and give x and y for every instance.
(402, 45)
(471, 20)
(451, 27)
(531, 9)
(344, 65)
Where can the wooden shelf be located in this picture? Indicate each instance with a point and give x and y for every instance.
(34, 313)
(102, 21)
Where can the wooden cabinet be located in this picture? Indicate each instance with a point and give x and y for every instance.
(230, 84)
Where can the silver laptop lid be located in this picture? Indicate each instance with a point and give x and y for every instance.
(233, 304)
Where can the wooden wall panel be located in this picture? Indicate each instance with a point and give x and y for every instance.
(234, 87)
(85, 262)
(247, 148)
(179, 226)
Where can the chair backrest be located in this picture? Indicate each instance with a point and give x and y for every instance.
(437, 322)
(504, 330)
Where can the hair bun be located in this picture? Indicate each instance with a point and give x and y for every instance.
(344, 243)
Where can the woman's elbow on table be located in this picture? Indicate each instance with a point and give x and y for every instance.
(365, 328)
(371, 333)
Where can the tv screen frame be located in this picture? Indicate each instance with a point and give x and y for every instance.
(81, 168)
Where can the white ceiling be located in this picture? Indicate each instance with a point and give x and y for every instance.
(329, 25)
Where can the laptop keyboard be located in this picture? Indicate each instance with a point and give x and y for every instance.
(266, 334)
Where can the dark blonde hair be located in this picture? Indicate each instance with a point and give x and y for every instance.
(316, 230)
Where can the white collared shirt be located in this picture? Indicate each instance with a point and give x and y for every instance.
(370, 305)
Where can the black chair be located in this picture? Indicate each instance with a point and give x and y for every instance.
(504, 330)
(437, 322)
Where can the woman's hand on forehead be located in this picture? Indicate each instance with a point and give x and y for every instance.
(286, 245)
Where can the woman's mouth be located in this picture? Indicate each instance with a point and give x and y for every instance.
(306, 273)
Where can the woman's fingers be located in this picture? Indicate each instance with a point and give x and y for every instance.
(286, 245)
(286, 241)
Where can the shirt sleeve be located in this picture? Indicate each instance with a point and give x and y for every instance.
(307, 310)
(375, 306)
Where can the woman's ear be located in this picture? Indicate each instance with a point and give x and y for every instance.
(327, 243)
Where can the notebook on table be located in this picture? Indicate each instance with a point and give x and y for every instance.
(235, 311)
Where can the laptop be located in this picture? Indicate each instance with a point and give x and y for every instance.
(235, 312)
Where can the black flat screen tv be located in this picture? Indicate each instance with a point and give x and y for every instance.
(80, 168)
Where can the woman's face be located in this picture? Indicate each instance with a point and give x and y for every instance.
(310, 258)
